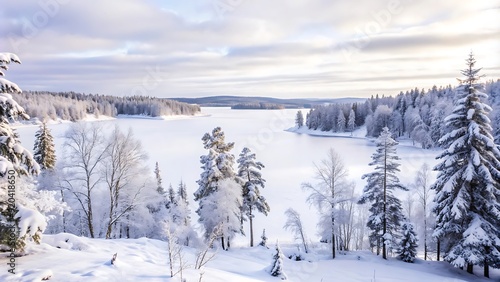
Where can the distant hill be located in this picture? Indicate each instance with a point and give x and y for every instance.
(237, 102)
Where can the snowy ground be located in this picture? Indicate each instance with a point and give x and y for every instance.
(288, 157)
(66, 257)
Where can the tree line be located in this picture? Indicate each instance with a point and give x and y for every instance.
(76, 106)
(416, 114)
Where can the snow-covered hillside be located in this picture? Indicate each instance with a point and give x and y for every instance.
(66, 257)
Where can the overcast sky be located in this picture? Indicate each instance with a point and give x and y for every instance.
(294, 48)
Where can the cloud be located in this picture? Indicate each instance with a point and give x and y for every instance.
(276, 48)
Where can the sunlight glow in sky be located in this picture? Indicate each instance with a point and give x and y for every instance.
(304, 48)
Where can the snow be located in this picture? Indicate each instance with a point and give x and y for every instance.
(176, 144)
(30, 221)
(146, 260)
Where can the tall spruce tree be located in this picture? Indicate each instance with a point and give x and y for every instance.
(15, 162)
(43, 150)
(468, 184)
(386, 212)
(216, 183)
(252, 182)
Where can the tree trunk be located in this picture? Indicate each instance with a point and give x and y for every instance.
(470, 268)
(63, 213)
(438, 249)
(333, 235)
(250, 219)
(384, 251)
(486, 270)
(222, 242)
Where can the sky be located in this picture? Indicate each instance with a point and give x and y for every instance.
(284, 49)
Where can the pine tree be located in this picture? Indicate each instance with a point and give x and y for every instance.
(159, 185)
(341, 123)
(409, 243)
(299, 119)
(277, 264)
(263, 238)
(467, 187)
(15, 162)
(252, 182)
(43, 150)
(218, 169)
(386, 212)
(351, 121)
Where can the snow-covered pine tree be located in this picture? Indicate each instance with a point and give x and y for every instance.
(15, 163)
(341, 122)
(386, 212)
(409, 243)
(217, 167)
(276, 268)
(467, 187)
(43, 150)
(299, 119)
(351, 121)
(186, 234)
(252, 182)
(159, 185)
(263, 237)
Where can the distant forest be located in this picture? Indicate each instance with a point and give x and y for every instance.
(75, 106)
(416, 114)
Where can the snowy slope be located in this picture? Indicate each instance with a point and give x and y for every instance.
(66, 257)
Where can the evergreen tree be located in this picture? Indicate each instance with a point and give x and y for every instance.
(43, 150)
(409, 243)
(216, 200)
(263, 238)
(351, 121)
(15, 162)
(341, 122)
(277, 264)
(467, 188)
(299, 119)
(159, 185)
(252, 182)
(386, 212)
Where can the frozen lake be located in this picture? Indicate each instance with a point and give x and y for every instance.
(176, 145)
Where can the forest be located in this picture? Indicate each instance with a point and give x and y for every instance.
(416, 114)
(76, 106)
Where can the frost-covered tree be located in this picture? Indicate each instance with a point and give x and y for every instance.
(409, 242)
(125, 178)
(299, 119)
(84, 153)
(351, 121)
(20, 219)
(331, 189)
(159, 184)
(341, 122)
(467, 188)
(43, 150)
(222, 207)
(423, 189)
(252, 181)
(276, 268)
(294, 224)
(218, 177)
(386, 212)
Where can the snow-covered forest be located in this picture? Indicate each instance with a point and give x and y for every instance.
(99, 186)
(417, 114)
(76, 106)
